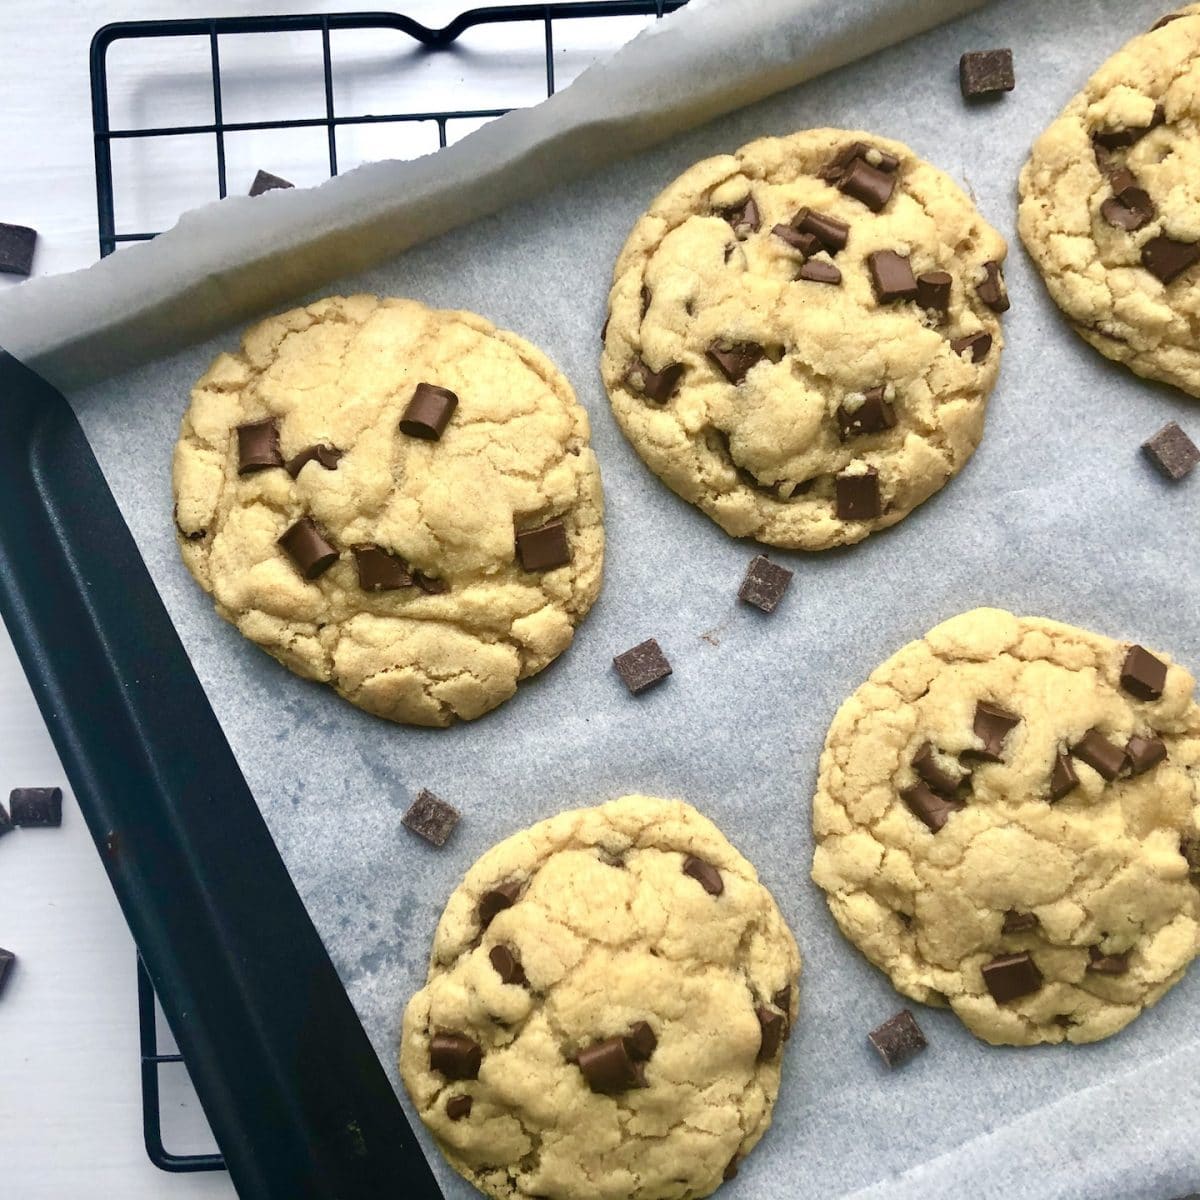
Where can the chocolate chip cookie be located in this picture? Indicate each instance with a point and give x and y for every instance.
(1008, 822)
(1109, 205)
(803, 336)
(397, 501)
(608, 999)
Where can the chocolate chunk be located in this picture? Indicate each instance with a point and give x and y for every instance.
(507, 965)
(264, 181)
(641, 1042)
(1100, 754)
(734, 359)
(1144, 753)
(1107, 964)
(976, 345)
(730, 1171)
(1166, 259)
(1158, 25)
(764, 584)
(308, 548)
(604, 330)
(258, 446)
(1062, 777)
(379, 570)
(6, 825)
(430, 584)
(744, 217)
(36, 808)
(992, 725)
(928, 807)
(771, 1024)
(841, 162)
(496, 900)
(1172, 451)
(806, 243)
(933, 291)
(431, 818)
(1018, 922)
(458, 1107)
(816, 270)
(543, 548)
(991, 290)
(926, 765)
(646, 298)
(1011, 976)
(7, 961)
(16, 249)
(898, 1039)
(455, 1055)
(326, 456)
(1143, 675)
(643, 666)
(608, 1068)
(428, 412)
(868, 184)
(705, 874)
(832, 233)
(891, 276)
(857, 495)
(654, 385)
(985, 73)
(1131, 207)
(873, 414)
(782, 1000)
(1115, 139)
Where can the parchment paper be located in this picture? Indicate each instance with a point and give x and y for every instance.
(1058, 515)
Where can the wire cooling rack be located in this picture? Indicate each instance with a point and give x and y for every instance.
(217, 31)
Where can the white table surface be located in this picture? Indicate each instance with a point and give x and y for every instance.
(70, 1095)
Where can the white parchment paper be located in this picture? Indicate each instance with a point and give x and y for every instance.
(1058, 515)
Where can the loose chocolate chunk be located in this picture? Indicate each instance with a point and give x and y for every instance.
(1172, 451)
(873, 414)
(430, 583)
(258, 446)
(543, 548)
(7, 959)
(428, 412)
(992, 725)
(1062, 778)
(458, 1107)
(891, 276)
(734, 359)
(1100, 754)
(654, 385)
(817, 271)
(642, 667)
(933, 290)
(455, 1055)
(1115, 139)
(327, 456)
(16, 249)
(1143, 675)
(928, 807)
(507, 965)
(744, 217)
(641, 1042)
(771, 1023)
(1107, 964)
(33, 808)
(1011, 976)
(496, 900)
(608, 1068)
(308, 548)
(868, 184)
(431, 818)
(985, 73)
(976, 345)
(857, 495)
(1144, 753)
(264, 181)
(898, 1039)
(806, 243)
(705, 874)
(1018, 922)
(926, 765)
(832, 233)
(1167, 259)
(764, 584)
(991, 290)
(380, 571)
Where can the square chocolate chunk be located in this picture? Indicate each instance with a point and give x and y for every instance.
(7, 959)
(898, 1039)
(16, 249)
(764, 584)
(985, 73)
(431, 818)
(36, 807)
(1172, 451)
(642, 667)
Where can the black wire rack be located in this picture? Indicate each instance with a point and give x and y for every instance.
(216, 29)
